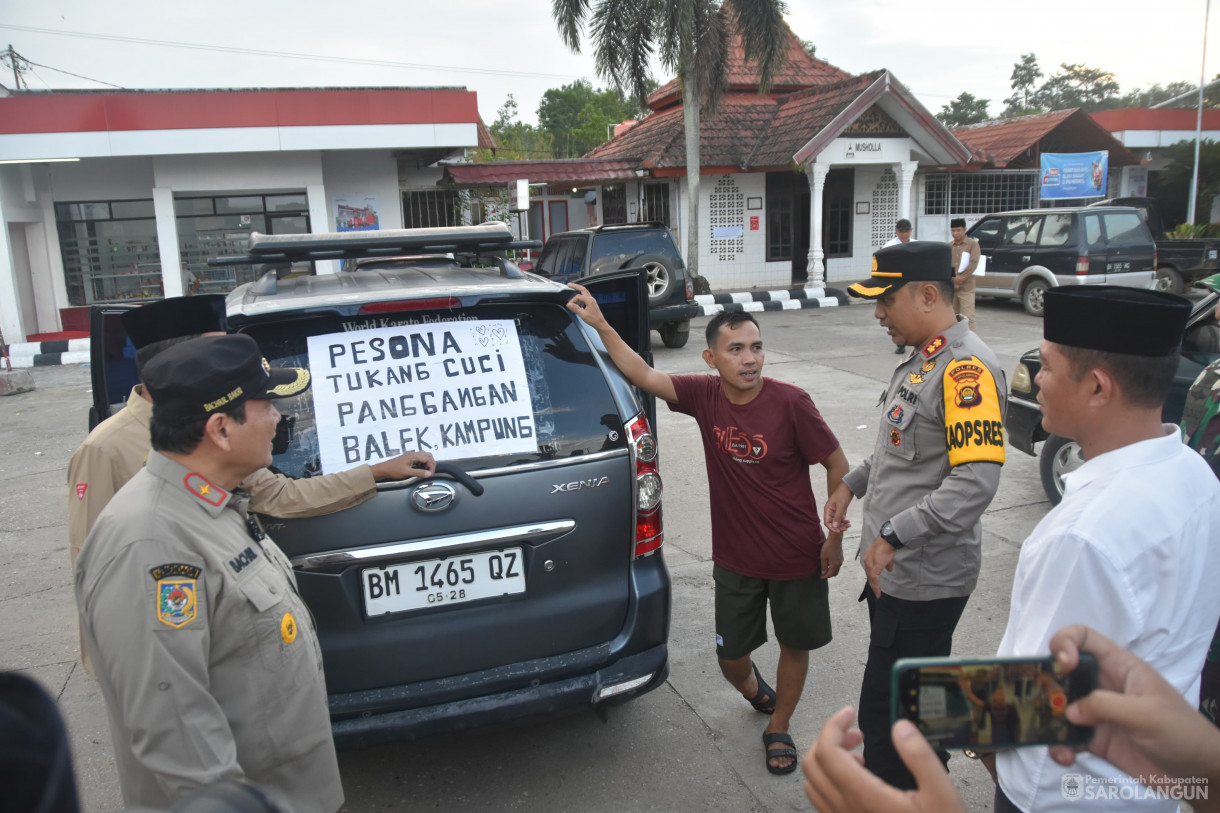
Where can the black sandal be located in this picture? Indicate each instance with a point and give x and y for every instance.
(764, 699)
(777, 753)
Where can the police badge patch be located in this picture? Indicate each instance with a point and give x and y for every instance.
(176, 593)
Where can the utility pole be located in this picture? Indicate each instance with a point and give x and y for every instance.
(1194, 178)
(14, 60)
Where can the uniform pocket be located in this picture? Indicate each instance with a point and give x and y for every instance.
(272, 618)
(899, 421)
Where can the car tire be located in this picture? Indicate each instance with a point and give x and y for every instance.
(1059, 456)
(661, 278)
(1032, 297)
(1169, 280)
(675, 334)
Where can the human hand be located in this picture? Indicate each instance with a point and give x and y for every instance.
(408, 464)
(878, 557)
(1144, 725)
(836, 780)
(832, 555)
(586, 307)
(835, 511)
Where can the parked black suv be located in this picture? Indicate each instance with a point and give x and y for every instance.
(526, 577)
(572, 255)
(1059, 456)
(1033, 250)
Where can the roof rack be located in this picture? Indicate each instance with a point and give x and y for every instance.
(281, 249)
(639, 224)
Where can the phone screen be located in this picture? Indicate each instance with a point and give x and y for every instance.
(992, 704)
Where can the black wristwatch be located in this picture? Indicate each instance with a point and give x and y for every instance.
(887, 533)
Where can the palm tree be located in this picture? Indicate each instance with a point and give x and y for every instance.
(691, 37)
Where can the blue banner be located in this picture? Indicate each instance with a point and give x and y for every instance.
(1074, 174)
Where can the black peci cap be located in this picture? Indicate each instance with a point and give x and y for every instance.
(902, 225)
(1114, 319)
(175, 317)
(895, 266)
(200, 376)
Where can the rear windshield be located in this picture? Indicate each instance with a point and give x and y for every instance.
(1125, 229)
(629, 244)
(488, 386)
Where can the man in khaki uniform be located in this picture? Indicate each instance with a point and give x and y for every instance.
(206, 655)
(963, 296)
(117, 447)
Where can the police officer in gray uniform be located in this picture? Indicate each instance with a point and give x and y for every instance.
(206, 655)
(934, 469)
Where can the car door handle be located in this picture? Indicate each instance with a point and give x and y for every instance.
(1025, 258)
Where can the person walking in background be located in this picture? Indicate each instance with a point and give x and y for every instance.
(963, 246)
(902, 234)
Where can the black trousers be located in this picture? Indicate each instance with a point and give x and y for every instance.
(899, 629)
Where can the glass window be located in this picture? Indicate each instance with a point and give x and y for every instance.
(245, 203)
(108, 260)
(656, 202)
(82, 211)
(433, 207)
(576, 263)
(614, 204)
(1056, 231)
(193, 206)
(287, 203)
(965, 193)
(552, 257)
(988, 232)
(1022, 231)
(130, 209)
(557, 213)
(574, 411)
(1125, 228)
(1092, 230)
(779, 228)
(536, 232)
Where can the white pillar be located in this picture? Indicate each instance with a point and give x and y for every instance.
(10, 295)
(816, 272)
(167, 241)
(320, 223)
(906, 177)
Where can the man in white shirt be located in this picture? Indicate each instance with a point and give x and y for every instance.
(902, 234)
(1130, 551)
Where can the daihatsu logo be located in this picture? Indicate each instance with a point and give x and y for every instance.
(433, 496)
(577, 485)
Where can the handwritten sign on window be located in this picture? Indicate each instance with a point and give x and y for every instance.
(455, 389)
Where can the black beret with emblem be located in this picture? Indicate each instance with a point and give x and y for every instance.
(200, 376)
(895, 266)
(1114, 319)
(175, 317)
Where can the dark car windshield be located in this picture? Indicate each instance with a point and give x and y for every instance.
(631, 243)
(489, 386)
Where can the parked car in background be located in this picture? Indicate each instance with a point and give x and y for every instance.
(1180, 261)
(525, 577)
(1059, 456)
(1033, 250)
(570, 256)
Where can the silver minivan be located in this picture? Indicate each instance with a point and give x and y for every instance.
(1033, 250)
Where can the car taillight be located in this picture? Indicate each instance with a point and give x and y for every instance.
(648, 526)
(1082, 264)
(690, 288)
(439, 303)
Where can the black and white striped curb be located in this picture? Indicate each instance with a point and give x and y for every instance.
(788, 299)
(48, 354)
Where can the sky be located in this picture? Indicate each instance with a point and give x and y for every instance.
(937, 48)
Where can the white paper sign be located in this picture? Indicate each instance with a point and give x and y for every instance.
(979, 271)
(455, 389)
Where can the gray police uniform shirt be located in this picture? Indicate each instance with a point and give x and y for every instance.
(206, 655)
(935, 466)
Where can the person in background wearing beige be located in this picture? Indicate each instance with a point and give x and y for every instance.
(963, 296)
(902, 234)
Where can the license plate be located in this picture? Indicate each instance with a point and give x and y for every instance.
(440, 582)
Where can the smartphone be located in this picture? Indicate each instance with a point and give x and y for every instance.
(993, 703)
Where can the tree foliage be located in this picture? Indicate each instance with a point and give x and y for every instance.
(1025, 76)
(1174, 180)
(965, 109)
(515, 140)
(1078, 85)
(576, 116)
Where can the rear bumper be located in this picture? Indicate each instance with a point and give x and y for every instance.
(1023, 424)
(543, 699)
(663, 314)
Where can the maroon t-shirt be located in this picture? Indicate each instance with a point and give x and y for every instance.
(765, 520)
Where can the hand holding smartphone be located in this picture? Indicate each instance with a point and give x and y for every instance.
(991, 704)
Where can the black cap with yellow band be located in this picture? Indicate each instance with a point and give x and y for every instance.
(895, 266)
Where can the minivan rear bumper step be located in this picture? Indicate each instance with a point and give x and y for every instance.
(544, 699)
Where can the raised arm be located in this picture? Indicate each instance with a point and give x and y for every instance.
(627, 360)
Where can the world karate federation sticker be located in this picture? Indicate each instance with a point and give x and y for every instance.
(176, 593)
(974, 429)
(288, 628)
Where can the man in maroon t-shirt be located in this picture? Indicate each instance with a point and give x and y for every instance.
(760, 436)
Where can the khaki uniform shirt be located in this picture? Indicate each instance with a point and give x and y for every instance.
(205, 653)
(936, 465)
(118, 446)
(971, 245)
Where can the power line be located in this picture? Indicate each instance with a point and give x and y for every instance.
(226, 49)
(77, 75)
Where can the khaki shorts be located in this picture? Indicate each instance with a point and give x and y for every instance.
(800, 612)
